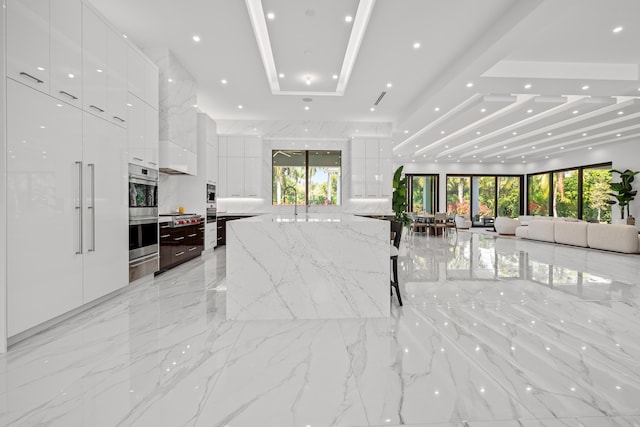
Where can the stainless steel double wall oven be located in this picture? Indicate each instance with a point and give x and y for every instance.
(143, 221)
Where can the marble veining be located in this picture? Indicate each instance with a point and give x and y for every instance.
(493, 333)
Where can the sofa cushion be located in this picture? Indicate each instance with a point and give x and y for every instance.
(522, 232)
(541, 230)
(570, 233)
(506, 225)
(613, 237)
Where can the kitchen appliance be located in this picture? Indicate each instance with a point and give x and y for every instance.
(181, 220)
(211, 194)
(143, 221)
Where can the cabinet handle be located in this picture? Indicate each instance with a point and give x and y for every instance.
(180, 253)
(79, 207)
(68, 94)
(179, 238)
(137, 158)
(119, 119)
(165, 236)
(35, 79)
(192, 249)
(96, 108)
(192, 235)
(92, 166)
(235, 195)
(153, 163)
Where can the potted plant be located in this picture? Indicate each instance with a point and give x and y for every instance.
(399, 198)
(624, 193)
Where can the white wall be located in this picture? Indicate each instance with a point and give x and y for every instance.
(263, 204)
(3, 189)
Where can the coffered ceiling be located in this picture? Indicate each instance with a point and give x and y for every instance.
(449, 80)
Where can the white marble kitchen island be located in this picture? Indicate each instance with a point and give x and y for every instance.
(313, 266)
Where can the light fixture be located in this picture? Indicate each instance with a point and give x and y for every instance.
(514, 133)
(417, 146)
(281, 75)
(533, 148)
(617, 29)
(223, 81)
(504, 146)
(306, 107)
(71, 75)
(334, 77)
(99, 70)
(527, 86)
(438, 108)
(125, 36)
(470, 84)
(389, 84)
(240, 107)
(620, 113)
(546, 157)
(308, 80)
(271, 15)
(484, 110)
(529, 111)
(585, 134)
(446, 146)
(442, 132)
(618, 134)
(475, 146)
(416, 45)
(590, 148)
(196, 38)
(562, 148)
(585, 87)
(372, 109)
(549, 134)
(406, 131)
(575, 111)
(348, 18)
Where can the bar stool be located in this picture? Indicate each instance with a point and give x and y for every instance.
(396, 233)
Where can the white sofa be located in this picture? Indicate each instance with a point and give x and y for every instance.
(609, 237)
(505, 225)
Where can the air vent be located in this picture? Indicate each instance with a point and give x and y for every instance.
(382, 94)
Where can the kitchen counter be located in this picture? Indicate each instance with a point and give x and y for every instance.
(313, 266)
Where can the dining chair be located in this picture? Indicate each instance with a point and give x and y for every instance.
(396, 234)
(439, 223)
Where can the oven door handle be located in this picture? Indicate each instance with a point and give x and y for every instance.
(144, 181)
(136, 262)
(143, 220)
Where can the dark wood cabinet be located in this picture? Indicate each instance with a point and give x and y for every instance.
(222, 227)
(180, 244)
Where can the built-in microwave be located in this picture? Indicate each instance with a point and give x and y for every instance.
(211, 194)
(143, 192)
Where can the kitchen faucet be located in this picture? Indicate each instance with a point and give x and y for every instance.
(295, 198)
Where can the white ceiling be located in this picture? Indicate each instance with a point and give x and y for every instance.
(556, 46)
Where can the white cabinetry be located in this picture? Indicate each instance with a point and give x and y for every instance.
(106, 213)
(239, 166)
(151, 136)
(116, 78)
(143, 129)
(371, 168)
(94, 63)
(66, 51)
(28, 42)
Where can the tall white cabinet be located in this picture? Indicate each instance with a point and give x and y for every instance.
(68, 128)
(239, 166)
(371, 168)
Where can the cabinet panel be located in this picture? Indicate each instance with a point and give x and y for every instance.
(94, 63)
(385, 177)
(66, 51)
(106, 208)
(358, 173)
(211, 235)
(152, 84)
(28, 42)
(252, 176)
(222, 146)
(358, 148)
(221, 187)
(252, 146)
(44, 269)
(135, 72)
(385, 148)
(371, 178)
(371, 148)
(235, 176)
(151, 136)
(212, 163)
(235, 146)
(116, 78)
(136, 131)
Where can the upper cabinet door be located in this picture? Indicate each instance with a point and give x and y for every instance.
(28, 42)
(252, 146)
(135, 72)
(94, 63)
(152, 84)
(117, 78)
(358, 148)
(66, 51)
(151, 136)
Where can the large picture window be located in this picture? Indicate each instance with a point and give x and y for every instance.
(485, 196)
(315, 175)
(423, 191)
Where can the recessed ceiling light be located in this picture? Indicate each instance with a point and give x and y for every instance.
(406, 131)
(562, 148)
(474, 156)
(417, 145)
(546, 157)
(527, 86)
(372, 109)
(618, 134)
(470, 84)
(549, 134)
(478, 133)
(308, 80)
(240, 107)
(620, 113)
(617, 29)
(271, 15)
(281, 75)
(590, 148)
(449, 156)
(585, 87)
(438, 108)
(424, 155)
(389, 84)
(348, 18)
(436, 160)
(125, 36)
(334, 77)
(416, 45)
(575, 111)
(514, 133)
(223, 81)
(446, 146)
(524, 161)
(196, 38)
(442, 132)
(498, 156)
(522, 157)
(475, 146)
(306, 107)
(585, 134)
(529, 111)
(533, 148)
(483, 110)
(40, 69)
(502, 161)
(99, 70)
(306, 130)
(71, 75)
(504, 146)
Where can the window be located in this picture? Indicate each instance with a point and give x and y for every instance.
(490, 196)
(314, 175)
(458, 192)
(509, 196)
(575, 193)
(424, 193)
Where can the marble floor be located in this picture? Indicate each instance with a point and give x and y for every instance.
(495, 332)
